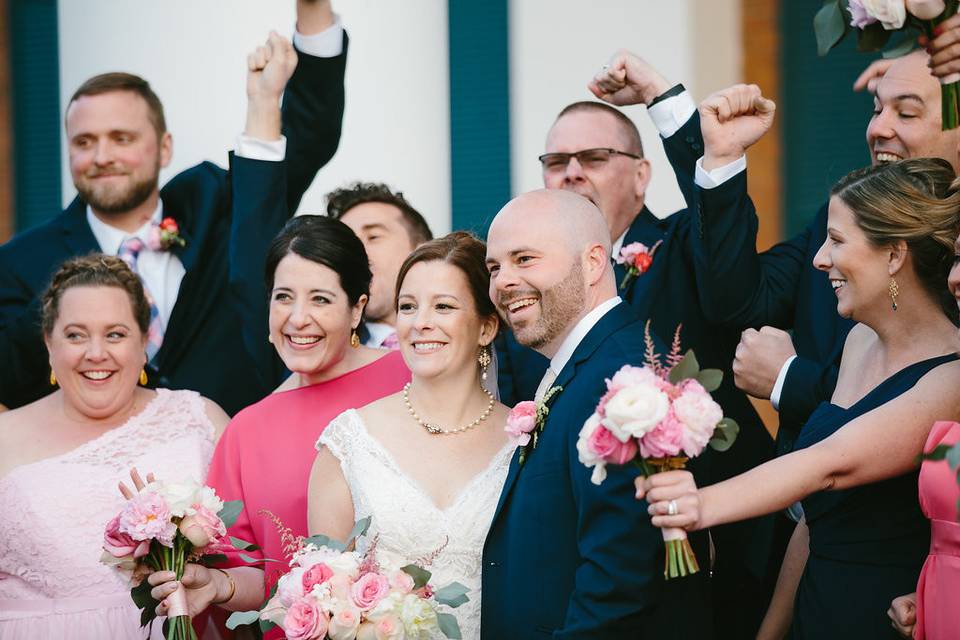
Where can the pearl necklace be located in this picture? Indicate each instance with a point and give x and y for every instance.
(434, 429)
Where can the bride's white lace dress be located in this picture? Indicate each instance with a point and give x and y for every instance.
(409, 526)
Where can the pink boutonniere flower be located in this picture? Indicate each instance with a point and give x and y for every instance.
(165, 235)
(526, 420)
(637, 258)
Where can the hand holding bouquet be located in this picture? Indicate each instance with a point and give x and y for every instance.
(657, 417)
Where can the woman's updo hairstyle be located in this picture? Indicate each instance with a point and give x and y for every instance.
(94, 270)
(466, 253)
(325, 241)
(916, 201)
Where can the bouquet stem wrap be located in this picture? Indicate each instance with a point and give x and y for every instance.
(679, 559)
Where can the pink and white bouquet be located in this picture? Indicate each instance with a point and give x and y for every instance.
(657, 417)
(875, 20)
(161, 528)
(334, 592)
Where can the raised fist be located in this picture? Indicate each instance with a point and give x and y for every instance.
(627, 79)
(732, 120)
(269, 68)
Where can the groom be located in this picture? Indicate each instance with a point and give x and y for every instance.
(565, 557)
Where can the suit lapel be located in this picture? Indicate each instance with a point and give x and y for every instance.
(76, 231)
(614, 320)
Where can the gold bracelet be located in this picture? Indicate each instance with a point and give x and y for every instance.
(233, 587)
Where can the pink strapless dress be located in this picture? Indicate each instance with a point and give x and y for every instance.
(938, 591)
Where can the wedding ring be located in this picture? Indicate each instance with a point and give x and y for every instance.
(672, 508)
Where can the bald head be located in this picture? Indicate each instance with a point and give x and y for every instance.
(548, 253)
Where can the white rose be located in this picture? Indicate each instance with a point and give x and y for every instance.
(925, 9)
(390, 605)
(634, 411)
(891, 13)
(179, 496)
(419, 616)
(290, 587)
(207, 498)
(345, 562)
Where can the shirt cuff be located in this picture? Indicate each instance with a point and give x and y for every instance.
(778, 385)
(716, 177)
(257, 149)
(326, 44)
(671, 114)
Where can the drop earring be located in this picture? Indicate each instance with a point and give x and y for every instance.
(53, 378)
(894, 292)
(484, 359)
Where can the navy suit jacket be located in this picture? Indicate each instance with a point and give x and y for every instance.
(228, 219)
(780, 287)
(565, 558)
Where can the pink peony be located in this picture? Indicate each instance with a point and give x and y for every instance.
(859, 17)
(605, 445)
(664, 440)
(317, 574)
(290, 587)
(699, 414)
(629, 253)
(521, 421)
(389, 628)
(344, 624)
(401, 581)
(630, 376)
(203, 527)
(368, 590)
(305, 621)
(121, 545)
(147, 517)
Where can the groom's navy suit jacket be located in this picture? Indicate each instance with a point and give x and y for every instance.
(564, 557)
(228, 219)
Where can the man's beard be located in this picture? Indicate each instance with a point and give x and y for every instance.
(106, 200)
(559, 305)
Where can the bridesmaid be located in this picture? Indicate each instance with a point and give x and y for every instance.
(889, 250)
(318, 276)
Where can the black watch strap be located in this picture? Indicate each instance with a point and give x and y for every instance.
(675, 90)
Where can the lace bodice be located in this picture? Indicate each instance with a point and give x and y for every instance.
(53, 511)
(408, 524)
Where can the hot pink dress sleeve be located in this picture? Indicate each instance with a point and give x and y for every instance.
(938, 603)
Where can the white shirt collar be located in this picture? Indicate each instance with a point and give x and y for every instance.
(110, 238)
(579, 332)
(378, 333)
(615, 249)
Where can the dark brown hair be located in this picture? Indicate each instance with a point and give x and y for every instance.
(915, 201)
(340, 201)
(629, 130)
(94, 270)
(465, 252)
(119, 81)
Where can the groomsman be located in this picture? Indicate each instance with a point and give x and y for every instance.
(206, 287)
(566, 558)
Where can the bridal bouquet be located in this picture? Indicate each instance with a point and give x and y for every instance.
(875, 20)
(161, 528)
(336, 593)
(657, 417)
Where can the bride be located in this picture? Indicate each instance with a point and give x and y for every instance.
(428, 463)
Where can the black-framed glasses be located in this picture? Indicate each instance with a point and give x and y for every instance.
(588, 158)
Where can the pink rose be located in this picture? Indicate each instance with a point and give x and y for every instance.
(317, 574)
(340, 585)
(664, 440)
(344, 624)
(388, 628)
(890, 13)
(202, 528)
(604, 399)
(699, 414)
(147, 517)
(121, 545)
(369, 589)
(587, 456)
(629, 253)
(605, 445)
(305, 621)
(521, 421)
(925, 9)
(401, 581)
(859, 17)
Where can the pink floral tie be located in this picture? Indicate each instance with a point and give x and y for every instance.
(129, 251)
(391, 342)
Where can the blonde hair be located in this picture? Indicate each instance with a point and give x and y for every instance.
(915, 201)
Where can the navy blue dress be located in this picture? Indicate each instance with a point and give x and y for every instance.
(868, 543)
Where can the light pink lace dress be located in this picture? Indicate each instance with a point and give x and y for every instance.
(53, 512)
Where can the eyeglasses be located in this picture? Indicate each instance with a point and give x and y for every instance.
(588, 158)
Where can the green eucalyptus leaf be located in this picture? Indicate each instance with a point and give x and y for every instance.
(953, 456)
(266, 625)
(211, 559)
(230, 512)
(686, 368)
(420, 575)
(724, 435)
(902, 48)
(238, 618)
(710, 379)
(449, 626)
(829, 25)
(939, 453)
(872, 37)
(453, 595)
(359, 529)
(252, 560)
(321, 540)
(243, 545)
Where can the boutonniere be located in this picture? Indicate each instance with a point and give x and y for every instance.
(637, 258)
(526, 420)
(165, 235)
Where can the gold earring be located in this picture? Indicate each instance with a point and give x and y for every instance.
(53, 378)
(484, 359)
(354, 339)
(894, 292)
(143, 377)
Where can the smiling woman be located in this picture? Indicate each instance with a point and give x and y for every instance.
(73, 446)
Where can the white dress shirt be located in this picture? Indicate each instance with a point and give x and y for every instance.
(378, 332)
